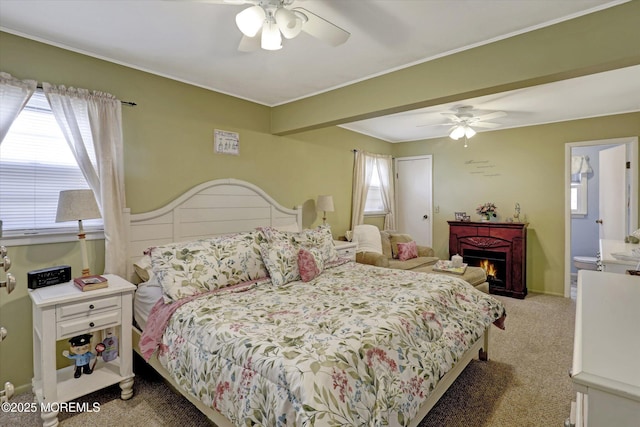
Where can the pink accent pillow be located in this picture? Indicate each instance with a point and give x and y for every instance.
(310, 264)
(407, 251)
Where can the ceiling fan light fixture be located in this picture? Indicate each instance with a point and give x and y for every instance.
(288, 22)
(251, 20)
(271, 39)
(457, 132)
(469, 132)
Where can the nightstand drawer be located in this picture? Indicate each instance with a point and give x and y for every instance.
(347, 253)
(85, 324)
(86, 308)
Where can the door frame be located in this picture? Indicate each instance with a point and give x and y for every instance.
(632, 154)
(395, 186)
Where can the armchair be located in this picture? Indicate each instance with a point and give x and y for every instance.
(380, 248)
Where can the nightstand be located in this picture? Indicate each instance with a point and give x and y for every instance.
(64, 311)
(346, 249)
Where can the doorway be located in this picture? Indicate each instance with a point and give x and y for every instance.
(414, 198)
(584, 225)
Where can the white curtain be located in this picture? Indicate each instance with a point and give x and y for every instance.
(14, 95)
(362, 169)
(365, 165)
(72, 109)
(385, 174)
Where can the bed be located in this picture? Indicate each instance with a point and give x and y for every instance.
(331, 343)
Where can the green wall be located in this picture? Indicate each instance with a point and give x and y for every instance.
(169, 148)
(526, 165)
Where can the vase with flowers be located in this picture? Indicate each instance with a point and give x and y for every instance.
(487, 211)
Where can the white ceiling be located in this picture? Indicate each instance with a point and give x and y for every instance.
(196, 42)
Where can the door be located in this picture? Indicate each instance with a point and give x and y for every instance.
(414, 198)
(612, 203)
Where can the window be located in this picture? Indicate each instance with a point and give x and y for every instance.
(36, 163)
(579, 194)
(374, 204)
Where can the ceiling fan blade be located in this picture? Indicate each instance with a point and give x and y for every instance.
(452, 117)
(490, 116)
(487, 125)
(232, 2)
(322, 29)
(250, 44)
(433, 124)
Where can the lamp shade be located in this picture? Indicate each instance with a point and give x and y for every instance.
(74, 205)
(271, 38)
(289, 24)
(324, 203)
(457, 132)
(250, 20)
(468, 132)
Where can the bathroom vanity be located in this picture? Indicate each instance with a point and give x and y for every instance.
(616, 256)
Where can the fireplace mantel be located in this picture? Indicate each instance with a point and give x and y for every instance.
(506, 239)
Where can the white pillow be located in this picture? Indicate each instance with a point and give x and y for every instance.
(367, 238)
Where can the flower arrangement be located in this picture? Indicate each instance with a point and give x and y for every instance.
(487, 210)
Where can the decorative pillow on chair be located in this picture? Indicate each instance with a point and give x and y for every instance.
(310, 263)
(407, 250)
(396, 238)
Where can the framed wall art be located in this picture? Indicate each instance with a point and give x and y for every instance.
(225, 142)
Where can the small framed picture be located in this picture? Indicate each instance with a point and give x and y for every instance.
(467, 218)
(460, 216)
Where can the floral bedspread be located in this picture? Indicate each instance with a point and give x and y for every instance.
(358, 345)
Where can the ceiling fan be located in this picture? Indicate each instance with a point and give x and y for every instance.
(463, 118)
(265, 22)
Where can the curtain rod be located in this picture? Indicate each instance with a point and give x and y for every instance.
(128, 103)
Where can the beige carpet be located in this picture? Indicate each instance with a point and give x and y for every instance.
(525, 382)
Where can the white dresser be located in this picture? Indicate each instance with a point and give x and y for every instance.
(606, 352)
(616, 256)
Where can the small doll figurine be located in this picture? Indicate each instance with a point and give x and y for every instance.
(80, 351)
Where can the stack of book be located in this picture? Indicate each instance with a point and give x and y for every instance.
(90, 283)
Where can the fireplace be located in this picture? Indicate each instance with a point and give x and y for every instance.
(493, 263)
(498, 247)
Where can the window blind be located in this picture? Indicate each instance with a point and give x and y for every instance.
(36, 163)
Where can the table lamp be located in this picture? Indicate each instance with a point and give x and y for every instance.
(76, 205)
(324, 204)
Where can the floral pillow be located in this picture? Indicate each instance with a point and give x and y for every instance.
(184, 269)
(407, 250)
(239, 257)
(310, 263)
(190, 268)
(281, 260)
(320, 238)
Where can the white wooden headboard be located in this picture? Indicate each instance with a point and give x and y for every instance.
(212, 208)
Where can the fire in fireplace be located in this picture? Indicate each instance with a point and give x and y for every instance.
(494, 263)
